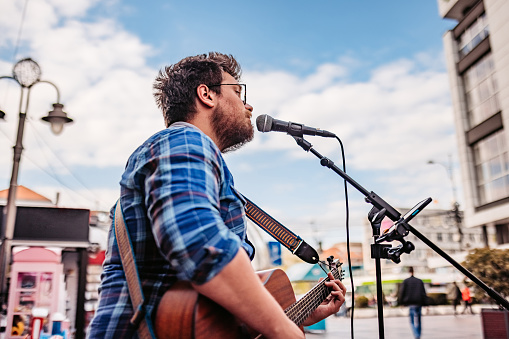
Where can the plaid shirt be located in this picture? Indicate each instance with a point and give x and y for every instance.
(185, 219)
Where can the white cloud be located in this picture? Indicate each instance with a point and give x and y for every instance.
(104, 82)
(391, 123)
(398, 111)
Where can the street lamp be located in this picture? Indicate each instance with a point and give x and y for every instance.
(455, 212)
(26, 73)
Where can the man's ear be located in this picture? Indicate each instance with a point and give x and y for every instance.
(206, 96)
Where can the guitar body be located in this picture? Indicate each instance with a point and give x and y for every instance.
(183, 313)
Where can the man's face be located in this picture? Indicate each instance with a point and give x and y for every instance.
(232, 119)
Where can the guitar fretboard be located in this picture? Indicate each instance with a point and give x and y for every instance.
(302, 308)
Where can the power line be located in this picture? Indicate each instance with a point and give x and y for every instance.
(53, 174)
(54, 177)
(38, 138)
(18, 39)
(16, 46)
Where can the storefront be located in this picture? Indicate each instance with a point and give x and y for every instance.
(48, 271)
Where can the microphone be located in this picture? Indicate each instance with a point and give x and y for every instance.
(265, 123)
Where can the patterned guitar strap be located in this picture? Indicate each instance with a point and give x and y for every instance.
(283, 235)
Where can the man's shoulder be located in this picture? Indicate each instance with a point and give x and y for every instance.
(176, 130)
(412, 279)
(175, 143)
(179, 135)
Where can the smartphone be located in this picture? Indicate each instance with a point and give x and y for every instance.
(408, 215)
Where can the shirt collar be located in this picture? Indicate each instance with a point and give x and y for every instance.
(183, 124)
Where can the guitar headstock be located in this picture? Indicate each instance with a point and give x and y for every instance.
(332, 265)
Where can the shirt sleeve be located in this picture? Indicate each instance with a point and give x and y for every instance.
(182, 199)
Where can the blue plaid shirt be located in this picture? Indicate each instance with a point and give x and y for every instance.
(185, 219)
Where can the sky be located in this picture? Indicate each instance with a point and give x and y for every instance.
(371, 72)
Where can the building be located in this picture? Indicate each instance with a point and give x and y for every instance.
(26, 197)
(340, 251)
(477, 54)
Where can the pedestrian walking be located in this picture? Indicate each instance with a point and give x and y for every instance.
(457, 297)
(467, 300)
(413, 295)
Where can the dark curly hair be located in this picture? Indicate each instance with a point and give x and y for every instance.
(175, 86)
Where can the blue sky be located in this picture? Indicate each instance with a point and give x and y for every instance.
(372, 72)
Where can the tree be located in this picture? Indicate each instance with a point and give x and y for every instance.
(492, 267)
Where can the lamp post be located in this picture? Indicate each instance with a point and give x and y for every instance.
(26, 73)
(455, 212)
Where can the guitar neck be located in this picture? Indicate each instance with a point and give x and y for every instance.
(302, 308)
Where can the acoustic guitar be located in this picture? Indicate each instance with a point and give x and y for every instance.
(185, 314)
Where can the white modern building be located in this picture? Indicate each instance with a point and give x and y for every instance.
(477, 54)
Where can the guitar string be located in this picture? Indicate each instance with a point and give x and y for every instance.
(312, 294)
(303, 303)
(323, 292)
(301, 309)
(312, 306)
(311, 301)
(306, 298)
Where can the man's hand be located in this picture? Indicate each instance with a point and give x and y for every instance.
(331, 304)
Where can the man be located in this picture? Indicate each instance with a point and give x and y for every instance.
(456, 295)
(413, 294)
(185, 218)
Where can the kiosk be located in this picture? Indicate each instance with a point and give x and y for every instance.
(37, 282)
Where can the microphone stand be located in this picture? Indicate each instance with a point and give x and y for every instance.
(379, 210)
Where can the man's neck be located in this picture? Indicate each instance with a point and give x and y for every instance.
(202, 121)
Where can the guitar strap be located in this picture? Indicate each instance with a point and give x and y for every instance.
(287, 238)
(141, 319)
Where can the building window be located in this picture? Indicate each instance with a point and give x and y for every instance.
(502, 234)
(439, 236)
(481, 90)
(492, 168)
(485, 235)
(473, 35)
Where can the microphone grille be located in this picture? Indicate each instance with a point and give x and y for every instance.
(264, 123)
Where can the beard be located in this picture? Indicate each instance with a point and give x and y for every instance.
(231, 131)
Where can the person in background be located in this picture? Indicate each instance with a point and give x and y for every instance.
(467, 299)
(456, 296)
(413, 295)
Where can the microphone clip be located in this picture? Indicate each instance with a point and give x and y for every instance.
(397, 232)
(306, 145)
(385, 251)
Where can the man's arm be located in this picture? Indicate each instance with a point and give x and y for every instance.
(238, 289)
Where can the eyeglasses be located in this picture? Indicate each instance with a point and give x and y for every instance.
(241, 92)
